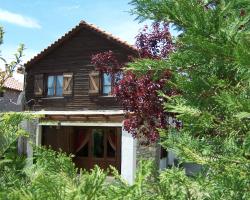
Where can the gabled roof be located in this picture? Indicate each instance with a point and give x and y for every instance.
(74, 30)
(13, 84)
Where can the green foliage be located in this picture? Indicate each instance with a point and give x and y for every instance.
(11, 166)
(53, 176)
(10, 129)
(212, 74)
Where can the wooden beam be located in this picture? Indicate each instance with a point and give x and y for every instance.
(79, 123)
(84, 118)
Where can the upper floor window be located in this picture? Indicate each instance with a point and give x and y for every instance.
(107, 84)
(102, 83)
(55, 85)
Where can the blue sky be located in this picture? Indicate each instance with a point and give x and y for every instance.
(38, 23)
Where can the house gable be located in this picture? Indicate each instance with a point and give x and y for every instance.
(90, 31)
(72, 54)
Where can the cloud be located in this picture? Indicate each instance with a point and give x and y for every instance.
(18, 19)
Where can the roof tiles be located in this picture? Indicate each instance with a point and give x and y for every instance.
(13, 84)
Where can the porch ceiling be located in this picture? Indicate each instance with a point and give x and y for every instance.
(82, 112)
(85, 116)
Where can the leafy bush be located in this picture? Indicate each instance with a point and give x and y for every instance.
(10, 129)
(53, 176)
(210, 69)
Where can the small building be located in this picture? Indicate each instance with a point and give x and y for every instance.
(8, 98)
(80, 114)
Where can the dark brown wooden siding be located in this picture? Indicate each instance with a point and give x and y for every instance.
(74, 55)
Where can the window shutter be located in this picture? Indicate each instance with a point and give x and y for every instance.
(94, 82)
(38, 85)
(67, 84)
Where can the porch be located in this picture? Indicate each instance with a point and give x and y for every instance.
(94, 137)
(90, 145)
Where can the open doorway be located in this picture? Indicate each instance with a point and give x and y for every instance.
(91, 145)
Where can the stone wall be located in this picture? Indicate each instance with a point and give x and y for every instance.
(7, 102)
(148, 151)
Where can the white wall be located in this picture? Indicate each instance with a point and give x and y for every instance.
(38, 135)
(128, 157)
(171, 158)
(163, 163)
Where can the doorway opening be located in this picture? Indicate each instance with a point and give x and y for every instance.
(91, 145)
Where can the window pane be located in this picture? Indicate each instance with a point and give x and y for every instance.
(50, 85)
(59, 85)
(106, 79)
(106, 84)
(106, 90)
(98, 139)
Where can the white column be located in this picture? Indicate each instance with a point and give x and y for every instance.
(20, 145)
(163, 163)
(38, 135)
(171, 158)
(31, 127)
(128, 157)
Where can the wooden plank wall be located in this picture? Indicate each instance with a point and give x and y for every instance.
(74, 56)
(58, 138)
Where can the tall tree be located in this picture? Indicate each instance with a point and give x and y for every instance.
(9, 67)
(211, 69)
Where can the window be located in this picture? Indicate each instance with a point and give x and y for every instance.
(38, 85)
(107, 84)
(55, 85)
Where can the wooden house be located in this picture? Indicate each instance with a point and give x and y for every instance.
(80, 116)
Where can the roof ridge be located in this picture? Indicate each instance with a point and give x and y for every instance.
(108, 33)
(71, 31)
